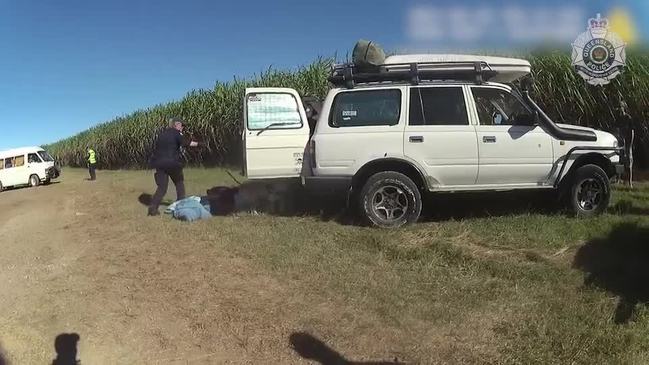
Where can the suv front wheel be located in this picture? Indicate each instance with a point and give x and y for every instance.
(590, 191)
(34, 181)
(390, 200)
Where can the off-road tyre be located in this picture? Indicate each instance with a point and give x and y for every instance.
(390, 200)
(589, 191)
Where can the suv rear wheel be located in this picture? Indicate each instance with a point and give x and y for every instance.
(390, 200)
(590, 191)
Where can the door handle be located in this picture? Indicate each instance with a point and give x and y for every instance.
(416, 139)
(489, 139)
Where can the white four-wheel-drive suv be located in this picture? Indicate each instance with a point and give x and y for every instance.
(426, 123)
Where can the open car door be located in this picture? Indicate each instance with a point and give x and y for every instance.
(275, 133)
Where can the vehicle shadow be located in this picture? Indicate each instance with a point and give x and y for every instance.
(65, 345)
(618, 264)
(294, 202)
(245, 199)
(3, 361)
(437, 207)
(21, 187)
(451, 206)
(311, 348)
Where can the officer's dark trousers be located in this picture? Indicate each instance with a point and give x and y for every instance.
(162, 176)
(91, 169)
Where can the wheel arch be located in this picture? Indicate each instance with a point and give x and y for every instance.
(389, 164)
(593, 158)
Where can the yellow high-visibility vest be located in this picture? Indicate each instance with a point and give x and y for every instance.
(92, 158)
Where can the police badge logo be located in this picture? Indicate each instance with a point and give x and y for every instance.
(598, 54)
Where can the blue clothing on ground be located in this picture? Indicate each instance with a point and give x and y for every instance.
(190, 209)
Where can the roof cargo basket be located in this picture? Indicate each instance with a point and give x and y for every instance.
(349, 75)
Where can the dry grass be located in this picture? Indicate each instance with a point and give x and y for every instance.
(472, 286)
(499, 287)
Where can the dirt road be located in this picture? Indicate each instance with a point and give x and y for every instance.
(81, 257)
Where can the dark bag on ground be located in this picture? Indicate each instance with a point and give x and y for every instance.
(221, 199)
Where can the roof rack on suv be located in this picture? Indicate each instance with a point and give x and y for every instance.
(349, 75)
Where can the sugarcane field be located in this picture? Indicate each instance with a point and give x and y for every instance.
(422, 183)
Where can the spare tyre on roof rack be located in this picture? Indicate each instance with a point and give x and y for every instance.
(367, 55)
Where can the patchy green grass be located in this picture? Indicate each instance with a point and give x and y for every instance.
(475, 286)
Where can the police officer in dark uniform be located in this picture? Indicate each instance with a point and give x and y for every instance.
(166, 161)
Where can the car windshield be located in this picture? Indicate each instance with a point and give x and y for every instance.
(45, 156)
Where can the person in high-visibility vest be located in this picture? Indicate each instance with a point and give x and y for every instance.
(92, 164)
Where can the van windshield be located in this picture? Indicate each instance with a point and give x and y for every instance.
(45, 156)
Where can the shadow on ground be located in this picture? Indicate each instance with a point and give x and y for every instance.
(311, 348)
(618, 264)
(277, 199)
(3, 361)
(65, 345)
(21, 187)
(448, 206)
(290, 201)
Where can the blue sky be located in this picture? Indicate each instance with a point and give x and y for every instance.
(67, 65)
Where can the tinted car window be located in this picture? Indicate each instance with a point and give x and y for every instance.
(366, 108)
(33, 158)
(45, 156)
(437, 106)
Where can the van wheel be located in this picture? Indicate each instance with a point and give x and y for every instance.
(390, 200)
(590, 191)
(34, 181)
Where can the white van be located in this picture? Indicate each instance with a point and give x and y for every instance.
(26, 166)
